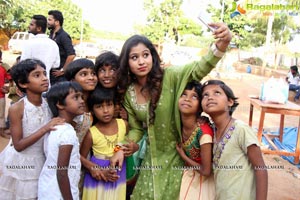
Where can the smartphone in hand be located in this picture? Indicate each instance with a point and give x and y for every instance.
(205, 20)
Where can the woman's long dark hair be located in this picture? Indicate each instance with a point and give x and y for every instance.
(154, 78)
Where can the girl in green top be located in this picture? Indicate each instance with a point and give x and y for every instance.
(150, 98)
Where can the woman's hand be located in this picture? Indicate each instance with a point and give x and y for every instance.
(222, 34)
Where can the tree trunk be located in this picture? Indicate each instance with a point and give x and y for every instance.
(268, 41)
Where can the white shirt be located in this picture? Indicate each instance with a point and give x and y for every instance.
(48, 187)
(293, 80)
(43, 48)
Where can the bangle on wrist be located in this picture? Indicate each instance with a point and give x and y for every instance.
(117, 148)
(216, 51)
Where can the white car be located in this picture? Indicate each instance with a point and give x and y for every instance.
(17, 41)
(87, 50)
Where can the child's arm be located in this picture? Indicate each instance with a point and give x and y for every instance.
(95, 170)
(15, 116)
(123, 113)
(130, 147)
(63, 160)
(206, 156)
(117, 159)
(261, 174)
(85, 148)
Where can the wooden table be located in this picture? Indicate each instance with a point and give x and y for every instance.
(283, 109)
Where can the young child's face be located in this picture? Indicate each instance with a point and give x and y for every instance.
(188, 102)
(74, 103)
(87, 78)
(107, 76)
(214, 100)
(104, 112)
(37, 80)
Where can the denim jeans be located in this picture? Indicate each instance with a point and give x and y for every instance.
(295, 88)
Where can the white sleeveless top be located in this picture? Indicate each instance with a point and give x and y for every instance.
(31, 159)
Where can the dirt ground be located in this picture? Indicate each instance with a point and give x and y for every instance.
(283, 183)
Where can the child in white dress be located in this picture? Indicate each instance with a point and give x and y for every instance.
(61, 172)
(30, 120)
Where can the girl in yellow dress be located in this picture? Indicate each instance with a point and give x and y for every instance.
(101, 181)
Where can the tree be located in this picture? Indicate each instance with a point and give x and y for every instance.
(71, 12)
(16, 14)
(166, 22)
(162, 20)
(241, 25)
(255, 28)
(250, 29)
(10, 15)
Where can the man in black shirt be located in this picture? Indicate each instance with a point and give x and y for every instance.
(64, 42)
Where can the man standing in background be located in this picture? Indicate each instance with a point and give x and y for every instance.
(64, 42)
(41, 46)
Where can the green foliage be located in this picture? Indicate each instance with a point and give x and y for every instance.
(10, 15)
(188, 26)
(162, 20)
(166, 22)
(18, 13)
(250, 29)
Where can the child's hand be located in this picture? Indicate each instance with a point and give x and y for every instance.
(53, 122)
(117, 159)
(111, 175)
(130, 148)
(203, 119)
(98, 173)
(5, 89)
(123, 113)
(180, 149)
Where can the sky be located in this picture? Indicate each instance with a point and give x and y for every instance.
(112, 15)
(121, 15)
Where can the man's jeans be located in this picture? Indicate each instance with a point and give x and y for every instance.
(295, 88)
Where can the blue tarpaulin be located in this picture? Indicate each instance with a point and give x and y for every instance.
(288, 142)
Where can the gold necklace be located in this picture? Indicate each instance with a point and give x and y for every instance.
(110, 143)
(186, 135)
